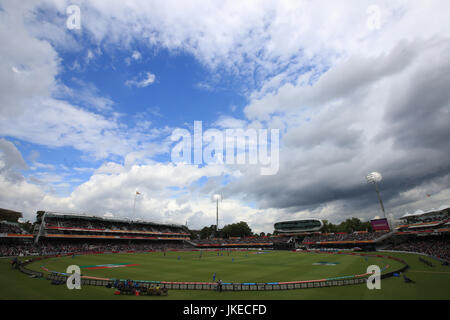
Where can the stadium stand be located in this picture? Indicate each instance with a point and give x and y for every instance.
(74, 226)
(9, 250)
(10, 228)
(9, 215)
(425, 222)
(436, 246)
(14, 240)
(247, 242)
(58, 247)
(61, 233)
(343, 237)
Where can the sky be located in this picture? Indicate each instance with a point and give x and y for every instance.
(90, 101)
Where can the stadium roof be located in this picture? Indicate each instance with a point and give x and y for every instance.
(421, 212)
(9, 215)
(296, 220)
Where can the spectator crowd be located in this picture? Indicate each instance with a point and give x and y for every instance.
(434, 246)
(6, 227)
(101, 224)
(354, 236)
(55, 248)
(242, 241)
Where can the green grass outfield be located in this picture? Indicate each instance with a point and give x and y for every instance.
(431, 282)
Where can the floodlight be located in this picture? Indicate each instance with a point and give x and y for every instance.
(217, 197)
(374, 178)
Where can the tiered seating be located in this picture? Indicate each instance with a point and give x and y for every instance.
(343, 237)
(79, 226)
(52, 247)
(425, 222)
(58, 233)
(13, 239)
(280, 239)
(10, 228)
(433, 246)
(241, 242)
(16, 249)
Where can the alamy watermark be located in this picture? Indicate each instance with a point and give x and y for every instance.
(373, 21)
(74, 280)
(74, 17)
(230, 146)
(374, 280)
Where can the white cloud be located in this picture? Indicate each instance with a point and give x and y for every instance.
(136, 56)
(225, 122)
(29, 94)
(112, 186)
(260, 39)
(166, 197)
(147, 80)
(204, 86)
(371, 98)
(86, 95)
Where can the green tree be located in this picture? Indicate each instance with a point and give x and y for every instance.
(240, 229)
(328, 227)
(353, 224)
(349, 225)
(193, 234)
(207, 232)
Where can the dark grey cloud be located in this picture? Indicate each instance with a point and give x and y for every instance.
(395, 121)
(418, 113)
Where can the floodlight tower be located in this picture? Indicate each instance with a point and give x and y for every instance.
(217, 198)
(374, 178)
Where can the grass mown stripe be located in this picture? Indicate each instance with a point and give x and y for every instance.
(111, 266)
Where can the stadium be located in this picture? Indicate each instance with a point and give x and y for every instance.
(125, 259)
(126, 125)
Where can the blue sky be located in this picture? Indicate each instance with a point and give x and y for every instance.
(181, 93)
(86, 115)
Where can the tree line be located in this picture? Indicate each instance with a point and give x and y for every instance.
(349, 225)
(239, 229)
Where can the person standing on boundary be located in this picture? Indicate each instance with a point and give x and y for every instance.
(219, 285)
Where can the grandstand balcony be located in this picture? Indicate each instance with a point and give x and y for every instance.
(298, 226)
(423, 223)
(76, 226)
(119, 231)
